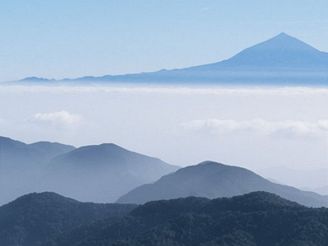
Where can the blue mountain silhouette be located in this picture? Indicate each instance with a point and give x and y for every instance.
(282, 59)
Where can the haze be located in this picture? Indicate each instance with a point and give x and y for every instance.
(264, 129)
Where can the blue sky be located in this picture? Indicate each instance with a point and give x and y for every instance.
(74, 38)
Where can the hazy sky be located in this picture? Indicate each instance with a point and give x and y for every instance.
(74, 38)
(257, 128)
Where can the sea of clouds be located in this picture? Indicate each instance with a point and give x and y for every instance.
(259, 128)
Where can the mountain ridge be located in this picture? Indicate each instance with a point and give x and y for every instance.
(257, 218)
(281, 58)
(102, 172)
(40, 217)
(211, 180)
(17, 152)
(99, 173)
(276, 49)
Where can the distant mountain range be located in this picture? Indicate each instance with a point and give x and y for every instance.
(15, 155)
(212, 180)
(22, 166)
(99, 173)
(108, 172)
(257, 218)
(280, 60)
(102, 172)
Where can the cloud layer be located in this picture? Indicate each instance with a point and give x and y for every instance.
(254, 127)
(261, 126)
(180, 90)
(61, 118)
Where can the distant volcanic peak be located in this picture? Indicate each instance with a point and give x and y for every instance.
(287, 42)
(277, 60)
(282, 51)
(283, 36)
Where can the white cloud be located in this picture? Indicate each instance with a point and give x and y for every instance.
(180, 90)
(260, 126)
(62, 118)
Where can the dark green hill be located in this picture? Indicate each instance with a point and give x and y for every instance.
(35, 218)
(255, 219)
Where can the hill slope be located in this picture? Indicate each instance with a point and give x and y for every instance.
(103, 172)
(212, 180)
(51, 149)
(22, 165)
(91, 173)
(15, 154)
(254, 219)
(35, 218)
(280, 52)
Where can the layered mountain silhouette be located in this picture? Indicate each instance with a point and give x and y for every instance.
(15, 154)
(212, 180)
(282, 59)
(99, 173)
(40, 218)
(206, 204)
(112, 156)
(23, 165)
(103, 172)
(257, 218)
